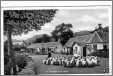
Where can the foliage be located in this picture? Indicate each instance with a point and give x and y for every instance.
(104, 54)
(17, 22)
(18, 47)
(26, 20)
(63, 32)
(21, 61)
(5, 53)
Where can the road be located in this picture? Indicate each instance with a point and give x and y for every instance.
(52, 69)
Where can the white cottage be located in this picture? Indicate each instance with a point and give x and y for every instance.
(86, 44)
(44, 47)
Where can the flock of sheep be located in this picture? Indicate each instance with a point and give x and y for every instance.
(88, 61)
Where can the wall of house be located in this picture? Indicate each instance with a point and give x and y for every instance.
(67, 50)
(64, 50)
(41, 50)
(101, 46)
(58, 49)
(89, 49)
(77, 49)
(106, 46)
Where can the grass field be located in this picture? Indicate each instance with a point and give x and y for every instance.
(52, 69)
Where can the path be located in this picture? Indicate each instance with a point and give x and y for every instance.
(40, 68)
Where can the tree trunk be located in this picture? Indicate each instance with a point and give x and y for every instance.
(11, 53)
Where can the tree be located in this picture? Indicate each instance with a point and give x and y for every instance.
(65, 36)
(63, 32)
(17, 22)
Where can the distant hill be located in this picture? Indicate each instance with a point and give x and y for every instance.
(32, 39)
(82, 33)
(39, 39)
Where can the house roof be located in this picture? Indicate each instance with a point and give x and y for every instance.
(44, 45)
(79, 39)
(104, 36)
(88, 38)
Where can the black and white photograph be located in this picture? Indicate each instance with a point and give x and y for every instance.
(57, 40)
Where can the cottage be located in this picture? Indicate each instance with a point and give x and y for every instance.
(86, 44)
(43, 48)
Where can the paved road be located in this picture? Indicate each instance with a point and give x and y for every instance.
(52, 69)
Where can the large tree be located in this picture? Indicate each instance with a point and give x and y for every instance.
(17, 22)
(63, 32)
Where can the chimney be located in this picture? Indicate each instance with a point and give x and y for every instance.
(100, 25)
(100, 29)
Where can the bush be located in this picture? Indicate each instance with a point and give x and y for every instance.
(21, 61)
(104, 54)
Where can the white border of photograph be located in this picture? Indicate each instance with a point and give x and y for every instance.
(34, 5)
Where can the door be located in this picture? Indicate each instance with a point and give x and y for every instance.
(75, 50)
(84, 51)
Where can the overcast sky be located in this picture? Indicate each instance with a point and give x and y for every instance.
(81, 19)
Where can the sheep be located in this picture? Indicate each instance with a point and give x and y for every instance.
(56, 62)
(68, 63)
(65, 63)
(47, 61)
(44, 62)
(77, 63)
(72, 61)
(62, 61)
(94, 60)
(84, 63)
(52, 62)
(59, 61)
(90, 63)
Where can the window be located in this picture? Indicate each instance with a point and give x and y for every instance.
(75, 50)
(99, 46)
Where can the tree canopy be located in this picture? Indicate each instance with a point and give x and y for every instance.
(22, 21)
(17, 22)
(63, 32)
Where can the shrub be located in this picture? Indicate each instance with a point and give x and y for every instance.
(21, 61)
(104, 54)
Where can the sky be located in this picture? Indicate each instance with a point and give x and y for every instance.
(81, 19)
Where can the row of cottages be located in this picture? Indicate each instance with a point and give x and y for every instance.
(43, 48)
(86, 44)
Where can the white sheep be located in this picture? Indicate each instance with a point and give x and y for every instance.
(83, 63)
(52, 62)
(78, 63)
(44, 61)
(68, 63)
